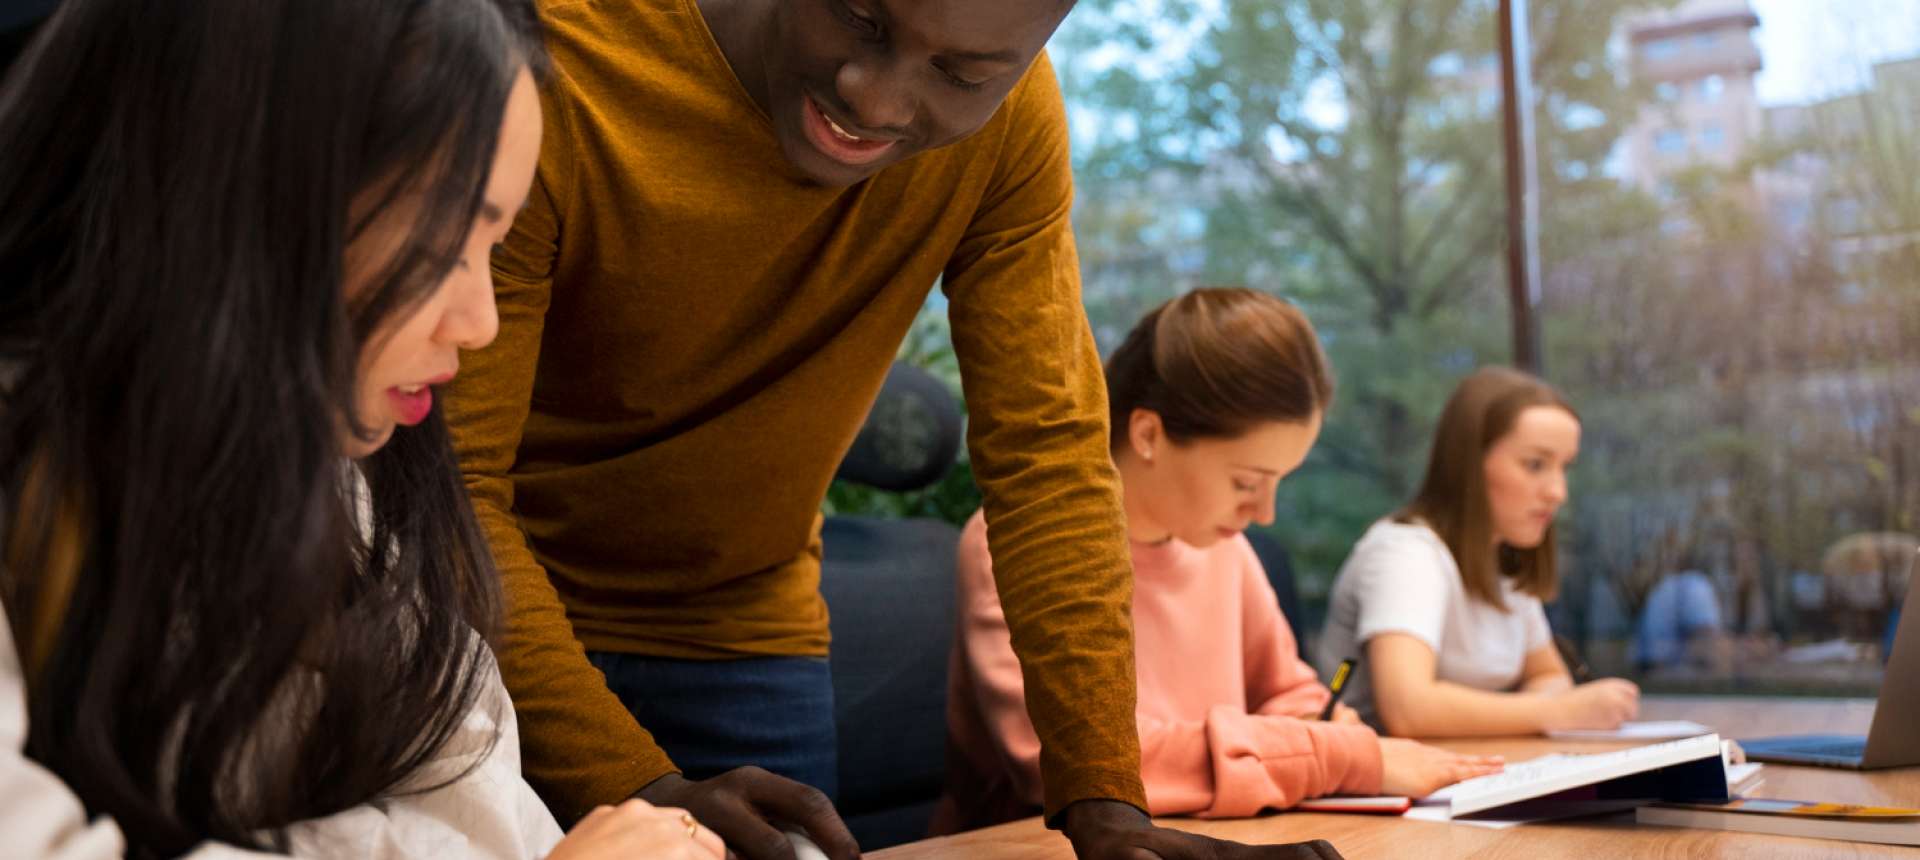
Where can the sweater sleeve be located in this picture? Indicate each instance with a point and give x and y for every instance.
(1231, 764)
(1036, 400)
(1234, 764)
(1278, 681)
(583, 748)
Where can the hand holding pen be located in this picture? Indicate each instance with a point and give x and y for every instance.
(1335, 711)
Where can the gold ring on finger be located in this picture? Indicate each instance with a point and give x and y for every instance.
(693, 827)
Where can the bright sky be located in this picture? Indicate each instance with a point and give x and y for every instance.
(1812, 49)
(1818, 48)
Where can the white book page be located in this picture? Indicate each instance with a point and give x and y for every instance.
(1660, 730)
(1440, 814)
(1438, 806)
(1549, 774)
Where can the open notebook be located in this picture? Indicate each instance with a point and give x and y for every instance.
(1559, 786)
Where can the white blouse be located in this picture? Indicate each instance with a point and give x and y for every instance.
(489, 813)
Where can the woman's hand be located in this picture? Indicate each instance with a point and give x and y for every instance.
(637, 828)
(1414, 769)
(1602, 704)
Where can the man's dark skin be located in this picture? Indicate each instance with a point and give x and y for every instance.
(919, 74)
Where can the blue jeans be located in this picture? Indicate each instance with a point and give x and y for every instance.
(712, 716)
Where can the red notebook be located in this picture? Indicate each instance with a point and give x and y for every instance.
(1373, 805)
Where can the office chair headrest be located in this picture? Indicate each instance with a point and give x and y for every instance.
(911, 436)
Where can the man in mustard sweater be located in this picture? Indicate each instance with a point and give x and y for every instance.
(740, 208)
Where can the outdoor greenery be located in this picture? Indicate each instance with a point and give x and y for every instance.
(1750, 390)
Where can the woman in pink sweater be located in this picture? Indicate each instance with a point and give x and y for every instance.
(1215, 396)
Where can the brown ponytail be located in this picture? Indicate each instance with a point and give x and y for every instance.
(1216, 362)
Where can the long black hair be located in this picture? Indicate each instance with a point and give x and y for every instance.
(222, 635)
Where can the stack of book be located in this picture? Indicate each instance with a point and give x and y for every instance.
(1879, 824)
(1680, 783)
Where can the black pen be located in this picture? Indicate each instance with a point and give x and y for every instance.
(1576, 667)
(1339, 685)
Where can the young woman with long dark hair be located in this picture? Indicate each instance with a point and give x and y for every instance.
(245, 596)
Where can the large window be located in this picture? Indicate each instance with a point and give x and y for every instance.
(1738, 322)
(1750, 385)
(1750, 502)
(1338, 157)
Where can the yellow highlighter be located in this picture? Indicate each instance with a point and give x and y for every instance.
(1338, 686)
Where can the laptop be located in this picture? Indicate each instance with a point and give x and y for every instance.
(1894, 738)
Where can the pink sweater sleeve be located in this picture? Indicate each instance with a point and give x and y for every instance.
(1230, 764)
(1234, 764)
(992, 667)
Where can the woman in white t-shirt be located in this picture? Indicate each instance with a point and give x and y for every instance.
(1442, 601)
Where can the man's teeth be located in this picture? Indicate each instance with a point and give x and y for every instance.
(411, 389)
(842, 133)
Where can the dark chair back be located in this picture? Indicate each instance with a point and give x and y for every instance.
(1279, 567)
(889, 586)
(911, 436)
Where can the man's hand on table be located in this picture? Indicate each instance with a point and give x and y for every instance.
(749, 807)
(1111, 830)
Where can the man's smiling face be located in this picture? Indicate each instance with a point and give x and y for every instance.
(856, 85)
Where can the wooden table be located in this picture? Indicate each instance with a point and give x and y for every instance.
(1359, 837)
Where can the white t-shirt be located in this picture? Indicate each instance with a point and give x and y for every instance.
(1401, 578)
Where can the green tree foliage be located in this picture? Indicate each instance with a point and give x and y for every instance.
(1750, 390)
(1345, 154)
